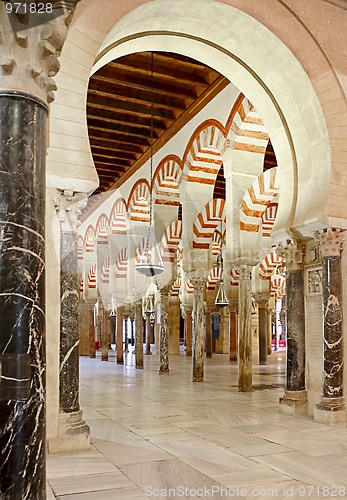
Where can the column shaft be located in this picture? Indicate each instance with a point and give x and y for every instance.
(164, 331)
(208, 332)
(198, 329)
(22, 296)
(233, 334)
(104, 334)
(92, 352)
(148, 335)
(138, 335)
(245, 330)
(119, 335)
(295, 376)
(188, 332)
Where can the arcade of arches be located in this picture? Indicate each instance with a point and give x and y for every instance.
(223, 123)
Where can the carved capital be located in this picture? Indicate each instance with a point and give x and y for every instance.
(69, 207)
(244, 270)
(293, 252)
(29, 57)
(330, 241)
(261, 299)
(198, 283)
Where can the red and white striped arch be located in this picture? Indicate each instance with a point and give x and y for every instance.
(92, 277)
(138, 202)
(105, 271)
(80, 245)
(216, 242)
(234, 277)
(82, 281)
(166, 181)
(202, 158)
(176, 287)
(122, 263)
(269, 264)
(259, 196)
(206, 223)
(170, 241)
(189, 287)
(268, 218)
(213, 278)
(118, 217)
(102, 228)
(250, 134)
(278, 285)
(89, 239)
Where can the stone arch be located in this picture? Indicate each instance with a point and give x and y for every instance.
(118, 217)
(92, 277)
(105, 271)
(138, 202)
(213, 278)
(206, 223)
(102, 227)
(122, 263)
(166, 181)
(80, 246)
(269, 264)
(263, 191)
(170, 241)
(89, 239)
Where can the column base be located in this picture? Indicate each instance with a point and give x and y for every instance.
(330, 411)
(73, 434)
(294, 402)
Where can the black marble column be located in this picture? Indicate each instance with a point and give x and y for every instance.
(164, 330)
(245, 330)
(148, 335)
(22, 296)
(188, 325)
(126, 338)
(69, 329)
(104, 316)
(331, 408)
(208, 332)
(198, 329)
(233, 332)
(295, 395)
(295, 374)
(92, 353)
(138, 335)
(119, 335)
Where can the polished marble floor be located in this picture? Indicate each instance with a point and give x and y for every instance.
(165, 437)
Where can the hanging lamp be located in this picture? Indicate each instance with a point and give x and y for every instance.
(150, 309)
(150, 263)
(221, 297)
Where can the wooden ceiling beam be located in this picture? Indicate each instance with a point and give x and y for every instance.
(129, 148)
(134, 132)
(120, 106)
(131, 120)
(120, 137)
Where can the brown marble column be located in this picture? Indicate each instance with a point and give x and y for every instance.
(331, 408)
(138, 335)
(119, 335)
(208, 331)
(104, 334)
(245, 329)
(164, 330)
(223, 341)
(295, 394)
(126, 338)
(262, 302)
(188, 330)
(92, 352)
(269, 331)
(198, 328)
(233, 332)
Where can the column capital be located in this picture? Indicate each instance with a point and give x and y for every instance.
(261, 299)
(30, 56)
(245, 270)
(330, 241)
(198, 282)
(293, 252)
(69, 206)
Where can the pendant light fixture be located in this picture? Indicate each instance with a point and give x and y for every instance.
(150, 263)
(150, 309)
(221, 297)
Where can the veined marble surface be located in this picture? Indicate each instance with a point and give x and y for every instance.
(152, 435)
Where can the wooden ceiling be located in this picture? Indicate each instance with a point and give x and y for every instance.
(129, 95)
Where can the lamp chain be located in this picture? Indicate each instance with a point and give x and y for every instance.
(151, 147)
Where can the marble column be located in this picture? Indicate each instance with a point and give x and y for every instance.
(331, 408)
(223, 341)
(262, 302)
(245, 330)
(73, 432)
(92, 353)
(119, 335)
(269, 331)
(126, 338)
(138, 335)
(104, 316)
(208, 332)
(174, 326)
(295, 394)
(198, 328)
(233, 332)
(188, 323)
(83, 312)
(164, 330)
(148, 335)
(22, 296)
